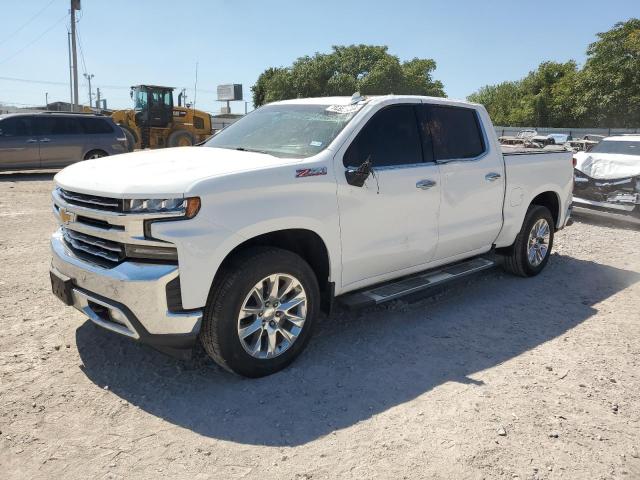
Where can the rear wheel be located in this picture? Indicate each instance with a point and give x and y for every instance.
(180, 138)
(95, 154)
(260, 312)
(530, 252)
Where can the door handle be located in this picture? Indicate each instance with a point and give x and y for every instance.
(492, 177)
(45, 140)
(32, 140)
(425, 184)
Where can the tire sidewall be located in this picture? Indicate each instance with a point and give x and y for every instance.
(231, 349)
(536, 214)
(174, 138)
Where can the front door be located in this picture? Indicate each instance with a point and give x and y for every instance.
(18, 143)
(391, 223)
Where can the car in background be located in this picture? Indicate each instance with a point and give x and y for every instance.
(56, 139)
(607, 178)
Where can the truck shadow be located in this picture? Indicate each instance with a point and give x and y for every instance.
(359, 364)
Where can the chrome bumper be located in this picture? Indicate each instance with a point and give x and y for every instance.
(626, 206)
(129, 299)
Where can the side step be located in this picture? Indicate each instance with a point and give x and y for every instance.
(415, 283)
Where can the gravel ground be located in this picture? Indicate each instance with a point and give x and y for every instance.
(498, 377)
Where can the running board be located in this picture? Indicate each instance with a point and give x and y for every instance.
(415, 283)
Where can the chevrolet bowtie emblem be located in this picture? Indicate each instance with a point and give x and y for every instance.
(66, 217)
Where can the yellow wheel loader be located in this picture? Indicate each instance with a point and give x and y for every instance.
(155, 122)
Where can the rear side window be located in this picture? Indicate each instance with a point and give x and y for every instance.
(59, 126)
(16, 127)
(389, 138)
(95, 125)
(455, 131)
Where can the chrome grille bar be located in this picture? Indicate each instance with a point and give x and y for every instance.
(91, 201)
(111, 251)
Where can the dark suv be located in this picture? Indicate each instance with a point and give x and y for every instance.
(53, 140)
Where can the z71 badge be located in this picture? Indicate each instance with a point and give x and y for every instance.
(311, 172)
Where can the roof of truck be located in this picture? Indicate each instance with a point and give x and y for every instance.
(368, 99)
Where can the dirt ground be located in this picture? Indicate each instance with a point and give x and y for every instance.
(498, 377)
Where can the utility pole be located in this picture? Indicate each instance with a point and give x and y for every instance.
(89, 77)
(98, 97)
(70, 71)
(75, 5)
(46, 100)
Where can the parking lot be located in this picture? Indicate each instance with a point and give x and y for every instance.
(504, 378)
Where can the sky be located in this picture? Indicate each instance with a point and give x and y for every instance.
(125, 42)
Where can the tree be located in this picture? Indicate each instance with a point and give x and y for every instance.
(604, 93)
(610, 79)
(369, 69)
(537, 99)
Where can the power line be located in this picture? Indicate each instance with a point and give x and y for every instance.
(26, 80)
(46, 82)
(34, 40)
(84, 65)
(27, 22)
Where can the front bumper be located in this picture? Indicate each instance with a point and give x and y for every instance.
(129, 299)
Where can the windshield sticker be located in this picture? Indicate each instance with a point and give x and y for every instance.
(316, 143)
(344, 108)
(311, 172)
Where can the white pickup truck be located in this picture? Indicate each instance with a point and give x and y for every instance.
(240, 243)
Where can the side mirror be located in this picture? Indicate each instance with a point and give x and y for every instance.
(357, 176)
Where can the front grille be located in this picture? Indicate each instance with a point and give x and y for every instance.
(96, 249)
(92, 201)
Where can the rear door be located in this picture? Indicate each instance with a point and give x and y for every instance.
(62, 140)
(472, 177)
(391, 223)
(18, 143)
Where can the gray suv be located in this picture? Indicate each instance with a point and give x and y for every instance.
(54, 140)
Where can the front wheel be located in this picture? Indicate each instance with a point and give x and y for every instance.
(260, 312)
(530, 252)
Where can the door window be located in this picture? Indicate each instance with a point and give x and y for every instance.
(59, 126)
(389, 138)
(16, 127)
(454, 131)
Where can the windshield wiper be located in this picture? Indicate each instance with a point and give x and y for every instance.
(255, 150)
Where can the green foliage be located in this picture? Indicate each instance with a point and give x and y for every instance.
(369, 69)
(604, 93)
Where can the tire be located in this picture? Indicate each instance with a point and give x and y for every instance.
(180, 138)
(235, 290)
(131, 139)
(516, 259)
(95, 154)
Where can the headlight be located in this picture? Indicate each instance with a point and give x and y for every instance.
(189, 207)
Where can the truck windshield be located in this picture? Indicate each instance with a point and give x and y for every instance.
(625, 147)
(295, 131)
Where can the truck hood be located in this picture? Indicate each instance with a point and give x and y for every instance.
(170, 171)
(608, 166)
